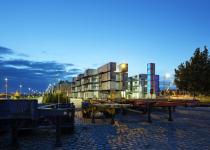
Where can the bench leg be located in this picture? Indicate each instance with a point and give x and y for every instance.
(149, 113)
(14, 131)
(170, 114)
(93, 117)
(174, 108)
(112, 119)
(123, 111)
(58, 132)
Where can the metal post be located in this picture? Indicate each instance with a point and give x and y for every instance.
(14, 142)
(6, 86)
(174, 108)
(58, 132)
(149, 112)
(170, 114)
(59, 92)
(58, 99)
(93, 116)
(20, 89)
(164, 84)
(112, 119)
(123, 111)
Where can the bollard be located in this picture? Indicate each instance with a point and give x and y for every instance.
(14, 128)
(123, 111)
(170, 114)
(73, 114)
(174, 108)
(112, 119)
(58, 132)
(144, 110)
(93, 117)
(149, 112)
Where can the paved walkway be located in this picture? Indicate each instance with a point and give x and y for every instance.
(189, 130)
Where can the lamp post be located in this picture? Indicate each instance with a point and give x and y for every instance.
(49, 88)
(167, 76)
(29, 92)
(20, 88)
(169, 90)
(58, 92)
(54, 88)
(6, 85)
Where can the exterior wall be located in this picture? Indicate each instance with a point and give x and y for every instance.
(107, 82)
(157, 84)
(63, 87)
(150, 78)
(138, 87)
(111, 81)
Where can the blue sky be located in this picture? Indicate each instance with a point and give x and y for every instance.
(89, 33)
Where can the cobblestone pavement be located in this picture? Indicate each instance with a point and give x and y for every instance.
(189, 130)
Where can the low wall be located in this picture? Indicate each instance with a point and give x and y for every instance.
(18, 109)
(77, 102)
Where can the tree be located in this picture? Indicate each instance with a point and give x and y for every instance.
(53, 98)
(193, 76)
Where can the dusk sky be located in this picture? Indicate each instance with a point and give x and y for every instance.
(43, 40)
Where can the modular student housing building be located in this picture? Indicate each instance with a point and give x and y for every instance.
(111, 81)
(107, 82)
(138, 87)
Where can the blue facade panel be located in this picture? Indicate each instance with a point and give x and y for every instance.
(150, 77)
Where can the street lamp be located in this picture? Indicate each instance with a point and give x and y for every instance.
(167, 76)
(20, 88)
(6, 85)
(58, 92)
(29, 92)
(167, 88)
(54, 88)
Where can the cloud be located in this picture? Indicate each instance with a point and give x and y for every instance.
(22, 55)
(4, 50)
(34, 74)
(7, 51)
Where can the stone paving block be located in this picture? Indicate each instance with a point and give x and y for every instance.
(189, 130)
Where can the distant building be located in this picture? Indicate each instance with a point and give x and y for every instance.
(157, 84)
(107, 82)
(150, 79)
(137, 86)
(111, 81)
(140, 86)
(63, 87)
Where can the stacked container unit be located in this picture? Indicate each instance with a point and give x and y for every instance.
(137, 86)
(90, 84)
(106, 78)
(150, 79)
(73, 93)
(78, 89)
(129, 88)
(123, 72)
(106, 82)
(64, 87)
(143, 85)
(157, 88)
(113, 80)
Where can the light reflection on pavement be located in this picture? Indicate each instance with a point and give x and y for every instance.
(189, 130)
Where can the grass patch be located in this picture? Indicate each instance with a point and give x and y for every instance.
(203, 98)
